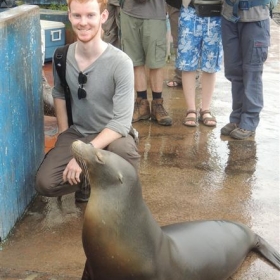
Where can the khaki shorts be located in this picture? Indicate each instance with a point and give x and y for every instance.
(144, 41)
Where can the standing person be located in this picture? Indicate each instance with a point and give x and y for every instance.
(143, 27)
(173, 11)
(199, 47)
(112, 25)
(245, 37)
(100, 79)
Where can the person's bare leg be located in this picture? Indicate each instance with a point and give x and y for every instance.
(208, 81)
(140, 80)
(189, 85)
(156, 79)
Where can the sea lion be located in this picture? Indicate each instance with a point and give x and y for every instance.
(122, 241)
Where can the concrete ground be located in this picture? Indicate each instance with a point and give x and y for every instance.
(186, 174)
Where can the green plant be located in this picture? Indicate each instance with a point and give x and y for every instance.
(19, 3)
(55, 6)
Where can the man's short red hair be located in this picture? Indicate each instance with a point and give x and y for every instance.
(102, 3)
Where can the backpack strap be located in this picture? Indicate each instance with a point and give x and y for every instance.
(244, 5)
(60, 56)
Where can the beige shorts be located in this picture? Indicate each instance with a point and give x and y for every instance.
(144, 41)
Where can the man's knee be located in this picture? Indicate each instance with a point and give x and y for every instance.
(126, 148)
(234, 72)
(43, 186)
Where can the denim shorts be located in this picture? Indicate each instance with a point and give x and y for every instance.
(199, 42)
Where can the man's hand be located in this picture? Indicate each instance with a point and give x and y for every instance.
(72, 172)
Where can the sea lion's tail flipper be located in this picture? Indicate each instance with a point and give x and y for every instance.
(268, 252)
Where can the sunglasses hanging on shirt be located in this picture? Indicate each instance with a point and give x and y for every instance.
(82, 79)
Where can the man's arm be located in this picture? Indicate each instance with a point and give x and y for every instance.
(104, 138)
(61, 114)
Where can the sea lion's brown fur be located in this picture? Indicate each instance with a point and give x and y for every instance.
(122, 241)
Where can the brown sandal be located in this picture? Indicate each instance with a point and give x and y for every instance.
(190, 119)
(206, 121)
(174, 84)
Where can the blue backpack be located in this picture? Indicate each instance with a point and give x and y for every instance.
(247, 4)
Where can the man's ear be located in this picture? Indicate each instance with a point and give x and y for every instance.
(104, 16)
(69, 14)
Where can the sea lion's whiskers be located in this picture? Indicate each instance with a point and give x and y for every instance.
(84, 167)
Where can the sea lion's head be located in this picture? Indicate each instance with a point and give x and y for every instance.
(101, 167)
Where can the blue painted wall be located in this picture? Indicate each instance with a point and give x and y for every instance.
(21, 111)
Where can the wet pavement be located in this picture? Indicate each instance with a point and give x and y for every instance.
(186, 174)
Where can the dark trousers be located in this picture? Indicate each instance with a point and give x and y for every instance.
(49, 176)
(245, 47)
